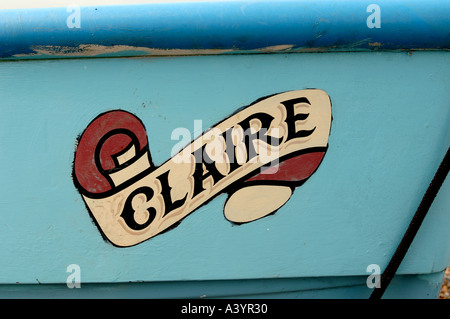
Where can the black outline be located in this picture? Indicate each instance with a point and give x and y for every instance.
(241, 182)
(126, 149)
(104, 173)
(81, 189)
(99, 146)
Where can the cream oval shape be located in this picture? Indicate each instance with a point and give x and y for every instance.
(253, 202)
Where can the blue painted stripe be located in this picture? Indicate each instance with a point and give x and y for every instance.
(236, 25)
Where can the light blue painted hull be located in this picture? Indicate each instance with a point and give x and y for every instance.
(342, 287)
(390, 130)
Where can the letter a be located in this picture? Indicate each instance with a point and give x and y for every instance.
(373, 280)
(74, 20)
(74, 279)
(374, 20)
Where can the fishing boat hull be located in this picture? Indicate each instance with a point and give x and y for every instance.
(93, 201)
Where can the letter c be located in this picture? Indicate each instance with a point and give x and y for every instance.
(128, 211)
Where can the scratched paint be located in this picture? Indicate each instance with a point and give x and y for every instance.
(94, 50)
(229, 27)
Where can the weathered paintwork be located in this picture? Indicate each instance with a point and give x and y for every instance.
(221, 27)
(388, 135)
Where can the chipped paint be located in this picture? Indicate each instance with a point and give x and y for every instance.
(201, 28)
(95, 50)
(277, 48)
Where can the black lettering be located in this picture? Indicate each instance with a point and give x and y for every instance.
(165, 192)
(249, 137)
(230, 150)
(291, 118)
(128, 210)
(199, 175)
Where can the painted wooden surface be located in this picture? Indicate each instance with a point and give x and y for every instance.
(258, 156)
(385, 142)
(212, 27)
(388, 135)
(342, 287)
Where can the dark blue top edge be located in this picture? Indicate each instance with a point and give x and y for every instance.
(224, 27)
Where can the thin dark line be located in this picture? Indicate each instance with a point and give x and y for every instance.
(413, 227)
(99, 146)
(115, 157)
(237, 184)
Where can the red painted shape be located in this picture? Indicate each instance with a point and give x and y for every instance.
(90, 177)
(294, 169)
(86, 171)
(113, 145)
